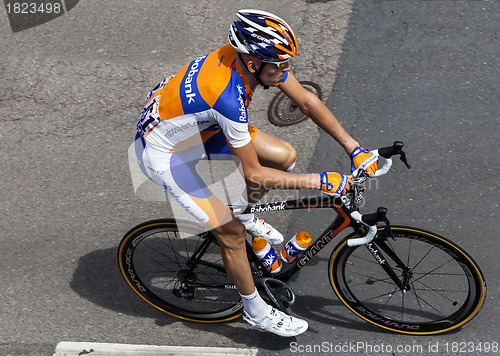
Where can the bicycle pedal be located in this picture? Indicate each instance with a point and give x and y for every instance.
(279, 294)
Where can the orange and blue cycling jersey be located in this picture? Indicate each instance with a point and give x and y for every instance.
(198, 113)
(208, 96)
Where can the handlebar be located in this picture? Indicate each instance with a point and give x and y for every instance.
(387, 153)
(371, 220)
(395, 149)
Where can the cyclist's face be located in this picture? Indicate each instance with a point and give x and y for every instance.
(272, 74)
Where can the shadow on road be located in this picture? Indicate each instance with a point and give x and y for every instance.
(97, 278)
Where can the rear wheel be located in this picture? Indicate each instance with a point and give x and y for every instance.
(155, 258)
(446, 288)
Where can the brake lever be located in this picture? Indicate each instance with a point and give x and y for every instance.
(402, 157)
(361, 177)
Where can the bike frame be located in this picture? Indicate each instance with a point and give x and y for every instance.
(342, 221)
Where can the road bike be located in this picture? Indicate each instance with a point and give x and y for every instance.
(400, 278)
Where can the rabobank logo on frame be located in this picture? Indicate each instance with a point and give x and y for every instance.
(24, 14)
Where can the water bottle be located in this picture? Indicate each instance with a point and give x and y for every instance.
(293, 248)
(266, 254)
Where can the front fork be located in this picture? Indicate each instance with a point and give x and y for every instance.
(379, 245)
(381, 242)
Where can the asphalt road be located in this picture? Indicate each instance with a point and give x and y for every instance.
(424, 72)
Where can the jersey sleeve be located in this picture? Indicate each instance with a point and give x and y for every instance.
(231, 113)
(237, 134)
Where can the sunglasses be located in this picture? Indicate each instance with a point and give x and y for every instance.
(280, 65)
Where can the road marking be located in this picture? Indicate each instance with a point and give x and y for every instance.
(66, 348)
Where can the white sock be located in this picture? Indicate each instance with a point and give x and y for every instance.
(254, 305)
(244, 218)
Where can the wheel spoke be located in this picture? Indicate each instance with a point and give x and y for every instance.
(420, 299)
(432, 271)
(154, 262)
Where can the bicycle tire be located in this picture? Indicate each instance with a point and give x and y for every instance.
(429, 307)
(152, 258)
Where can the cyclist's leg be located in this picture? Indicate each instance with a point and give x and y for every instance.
(256, 311)
(272, 152)
(231, 237)
(177, 174)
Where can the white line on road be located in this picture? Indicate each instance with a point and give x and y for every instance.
(103, 349)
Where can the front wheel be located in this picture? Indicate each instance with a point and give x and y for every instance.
(445, 287)
(157, 260)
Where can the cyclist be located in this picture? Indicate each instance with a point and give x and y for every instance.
(201, 113)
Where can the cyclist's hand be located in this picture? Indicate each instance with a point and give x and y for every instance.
(335, 184)
(362, 159)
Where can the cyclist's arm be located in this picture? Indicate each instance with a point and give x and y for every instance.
(271, 178)
(313, 107)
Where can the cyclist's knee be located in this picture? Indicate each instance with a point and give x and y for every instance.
(287, 157)
(274, 152)
(292, 159)
(231, 235)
